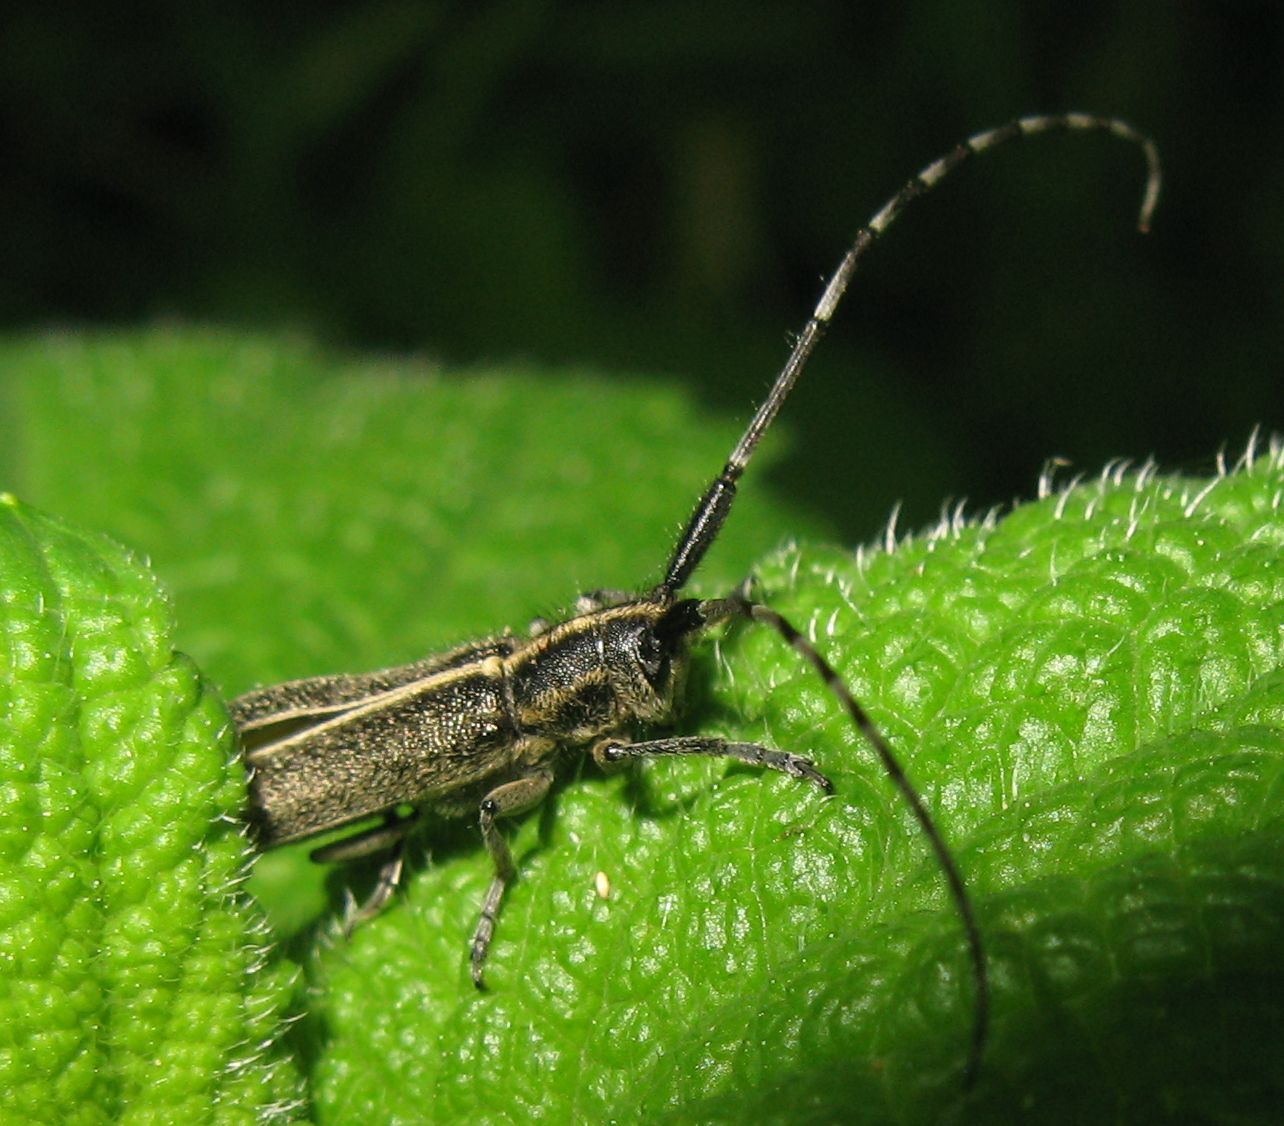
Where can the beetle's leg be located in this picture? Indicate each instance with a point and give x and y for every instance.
(368, 842)
(587, 603)
(387, 883)
(391, 835)
(610, 752)
(592, 600)
(503, 801)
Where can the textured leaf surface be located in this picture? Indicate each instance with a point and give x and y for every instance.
(1088, 692)
(130, 990)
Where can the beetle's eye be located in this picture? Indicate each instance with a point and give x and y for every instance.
(651, 656)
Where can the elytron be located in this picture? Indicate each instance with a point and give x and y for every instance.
(480, 729)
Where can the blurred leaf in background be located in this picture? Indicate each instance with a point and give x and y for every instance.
(659, 188)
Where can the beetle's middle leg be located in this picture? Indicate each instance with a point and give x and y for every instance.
(611, 752)
(391, 835)
(507, 800)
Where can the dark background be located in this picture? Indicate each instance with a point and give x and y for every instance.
(656, 188)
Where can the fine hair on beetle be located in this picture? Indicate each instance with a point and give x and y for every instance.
(478, 730)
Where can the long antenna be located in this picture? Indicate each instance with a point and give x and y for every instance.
(711, 512)
(896, 772)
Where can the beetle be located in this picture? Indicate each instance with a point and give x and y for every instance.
(481, 728)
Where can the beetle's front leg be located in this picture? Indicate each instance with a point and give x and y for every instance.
(611, 752)
(503, 801)
(587, 602)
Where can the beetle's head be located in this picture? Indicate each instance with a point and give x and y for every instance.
(645, 653)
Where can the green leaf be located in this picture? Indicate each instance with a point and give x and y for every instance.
(1088, 693)
(133, 985)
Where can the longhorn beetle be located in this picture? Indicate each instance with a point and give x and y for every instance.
(482, 726)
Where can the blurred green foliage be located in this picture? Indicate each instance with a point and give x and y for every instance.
(657, 188)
